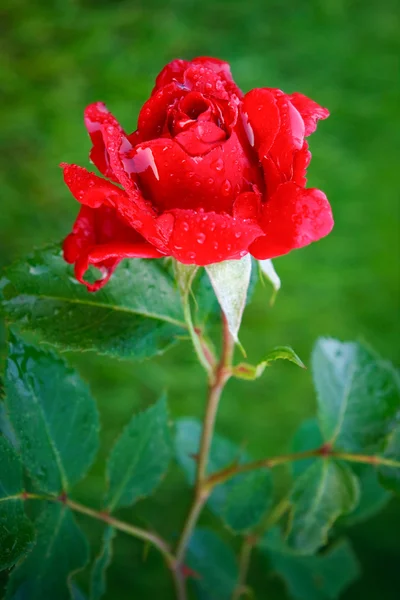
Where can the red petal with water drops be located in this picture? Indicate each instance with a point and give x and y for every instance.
(293, 217)
(173, 179)
(94, 191)
(310, 111)
(172, 72)
(97, 118)
(203, 238)
(221, 68)
(261, 119)
(153, 114)
(101, 238)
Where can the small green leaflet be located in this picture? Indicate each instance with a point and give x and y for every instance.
(389, 476)
(242, 501)
(251, 372)
(101, 564)
(307, 437)
(138, 313)
(214, 565)
(230, 280)
(358, 395)
(321, 577)
(325, 491)
(61, 550)
(16, 531)
(140, 457)
(53, 414)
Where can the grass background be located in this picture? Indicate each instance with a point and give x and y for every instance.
(59, 56)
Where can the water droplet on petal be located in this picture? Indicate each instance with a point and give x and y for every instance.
(201, 237)
(215, 245)
(226, 187)
(210, 180)
(238, 234)
(212, 226)
(191, 255)
(185, 226)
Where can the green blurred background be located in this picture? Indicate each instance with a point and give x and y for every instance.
(59, 56)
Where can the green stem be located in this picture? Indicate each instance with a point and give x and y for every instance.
(137, 532)
(220, 377)
(244, 564)
(269, 463)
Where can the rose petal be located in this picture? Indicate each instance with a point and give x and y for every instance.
(94, 191)
(301, 160)
(172, 72)
(153, 114)
(203, 238)
(310, 111)
(97, 117)
(261, 119)
(100, 237)
(222, 69)
(293, 217)
(174, 179)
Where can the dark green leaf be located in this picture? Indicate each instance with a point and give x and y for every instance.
(324, 492)
(358, 395)
(5, 426)
(307, 437)
(140, 457)
(77, 593)
(389, 476)
(242, 501)
(137, 315)
(16, 531)
(60, 551)
(250, 372)
(373, 497)
(101, 564)
(321, 577)
(53, 415)
(214, 565)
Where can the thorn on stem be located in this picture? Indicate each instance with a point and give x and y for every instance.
(325, 450)
(63, 497)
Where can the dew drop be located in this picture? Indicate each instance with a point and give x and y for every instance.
(212, 227)
(210, 180)
(238, 234)
(215, 245)
(201, 238)
(191, 255)
(226, 187)
(185, 226)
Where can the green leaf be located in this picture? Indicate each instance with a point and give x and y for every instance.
(16, 531)
(373, 497)
(251, 372)
(76, 593)
(137, 314)
(321, 577)
(61, 550)
(268, 271)
(214, 565)
(390, 476)
(307, 437)
(140, 457)
(243, 500)
(53, 415)
(358, 395)
(5, 426)
(324, 492)
(230, 280)
(101, 564)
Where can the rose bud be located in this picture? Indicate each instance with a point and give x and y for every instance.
(209, 175)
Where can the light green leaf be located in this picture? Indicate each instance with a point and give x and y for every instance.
(251, 372)
(101, 564)
(390, 476)
(138, 313)
(53, 415)
(61, 550)
(140, 457)
(214, 565)
(321, 577)
(324, 492)
(243, 500)
(230, 280)
(268, 270)
(16, 531)
(184, 275)
(358, 395)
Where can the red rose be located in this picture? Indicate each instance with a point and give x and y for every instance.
(209, 175)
